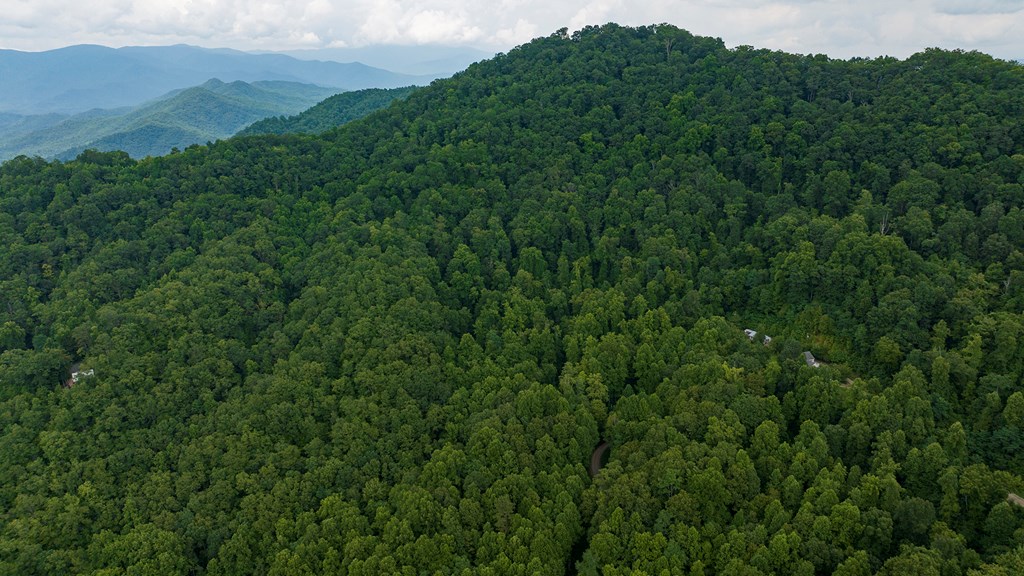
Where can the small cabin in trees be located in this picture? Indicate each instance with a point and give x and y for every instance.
(752, 335)
(811, 361)
(77, 374)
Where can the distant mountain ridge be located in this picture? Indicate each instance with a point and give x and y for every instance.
(331, 113)
(180, 118)
(79, 78)
(442, 60)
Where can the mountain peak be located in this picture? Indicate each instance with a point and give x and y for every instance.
(78, 78)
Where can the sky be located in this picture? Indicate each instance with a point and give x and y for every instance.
(839, 28)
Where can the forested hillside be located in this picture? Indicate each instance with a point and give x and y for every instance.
(392, 348)
(331, 113)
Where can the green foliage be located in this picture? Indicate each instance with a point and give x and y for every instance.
(331, 113)
(392, 348)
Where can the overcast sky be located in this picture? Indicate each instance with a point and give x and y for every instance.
(835, 27)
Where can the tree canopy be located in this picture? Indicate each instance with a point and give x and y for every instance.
(391, 348)
(331, 113)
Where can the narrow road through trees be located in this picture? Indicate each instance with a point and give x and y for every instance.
(595, 458)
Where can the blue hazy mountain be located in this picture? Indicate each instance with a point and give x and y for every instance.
(79, 78)
(418, 60)
(178, 119)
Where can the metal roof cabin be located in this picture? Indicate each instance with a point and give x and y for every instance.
(809, 358)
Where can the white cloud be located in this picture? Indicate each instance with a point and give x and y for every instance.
(522, 31)
(979, 6)
(391, 24)
(973, 29)
(596, 12)
(835, 27)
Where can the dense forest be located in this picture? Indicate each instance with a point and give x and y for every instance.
(331, 113)
(392, 348)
